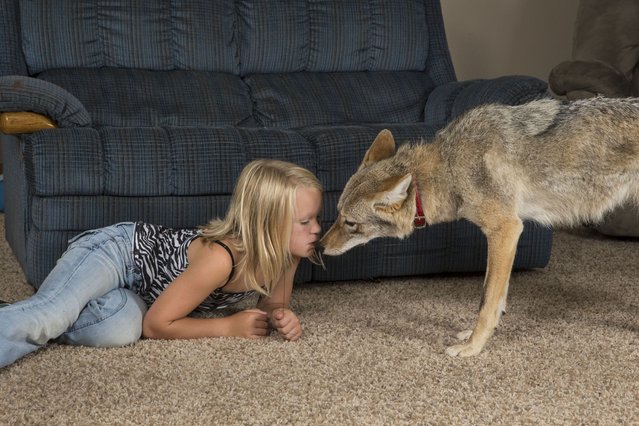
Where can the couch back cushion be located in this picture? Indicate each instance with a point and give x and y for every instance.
(332, 35)
(144, 98)
(303, 99)
(154, 35)
(232, 36)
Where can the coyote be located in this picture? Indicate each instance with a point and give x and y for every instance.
(548, 161)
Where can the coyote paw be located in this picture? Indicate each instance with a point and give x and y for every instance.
(464, 335)
(464, 350)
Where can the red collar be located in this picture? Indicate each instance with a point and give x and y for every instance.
(420, 219)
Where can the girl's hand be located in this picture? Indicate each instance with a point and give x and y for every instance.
(286, 323)
(251, 324)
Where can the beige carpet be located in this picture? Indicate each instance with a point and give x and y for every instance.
(567, 352)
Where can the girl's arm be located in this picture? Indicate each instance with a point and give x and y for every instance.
(282, 317)
(281, 294)
(208, 269)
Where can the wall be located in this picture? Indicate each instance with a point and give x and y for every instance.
(491, 38)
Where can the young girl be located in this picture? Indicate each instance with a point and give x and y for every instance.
(99, 290)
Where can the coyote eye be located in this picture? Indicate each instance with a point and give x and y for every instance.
(350, 225)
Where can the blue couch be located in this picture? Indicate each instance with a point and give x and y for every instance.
(159, 104)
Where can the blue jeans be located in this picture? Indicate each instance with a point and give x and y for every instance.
(89, 298)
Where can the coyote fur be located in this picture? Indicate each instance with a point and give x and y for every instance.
(547, 161)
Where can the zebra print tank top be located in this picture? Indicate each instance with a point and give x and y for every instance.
(160, 255)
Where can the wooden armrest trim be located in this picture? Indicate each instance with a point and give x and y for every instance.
(13, 123)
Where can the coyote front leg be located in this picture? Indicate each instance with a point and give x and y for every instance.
(502, 245)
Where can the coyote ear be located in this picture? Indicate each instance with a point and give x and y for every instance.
(383, 147)
(395, 191)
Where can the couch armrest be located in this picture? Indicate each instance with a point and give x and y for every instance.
(21, 93)
(450, 100)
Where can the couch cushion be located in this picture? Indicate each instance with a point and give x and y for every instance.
(340, 149)
(153, 161)
(306, 99)
(127, 97)
(156, 35)
(240, 37)
(332, 35)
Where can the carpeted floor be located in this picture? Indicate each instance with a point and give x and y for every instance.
(567, 352)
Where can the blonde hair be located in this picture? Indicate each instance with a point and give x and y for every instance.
(259, 220)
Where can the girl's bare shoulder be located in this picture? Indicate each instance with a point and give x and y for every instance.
(207, 255)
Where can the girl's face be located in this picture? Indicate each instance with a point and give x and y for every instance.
(306, 228)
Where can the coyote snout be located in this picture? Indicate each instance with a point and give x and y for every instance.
(336, 240)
